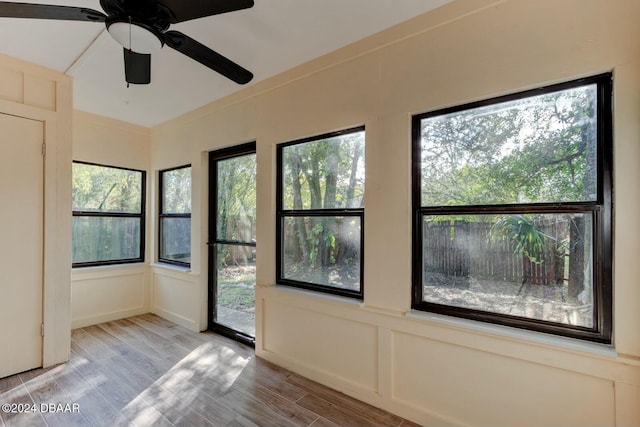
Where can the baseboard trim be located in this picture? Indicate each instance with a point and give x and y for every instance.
(83, 322)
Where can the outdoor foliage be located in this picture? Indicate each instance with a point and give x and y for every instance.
(528, 238)
(539, 149)
(235, 222)
(110, 191)
(532, 150)
(105, 189)
(176, 191)
(236, 205)
(175, 239)
(175, 242)
(320, 175)
(324, 174)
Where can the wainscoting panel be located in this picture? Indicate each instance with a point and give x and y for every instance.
(108, 293)
(176, 297)
(323, 343)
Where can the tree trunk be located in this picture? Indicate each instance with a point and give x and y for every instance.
(300, 228)
(313, 178)
(576, 258)
(353, 177)
(331, 182)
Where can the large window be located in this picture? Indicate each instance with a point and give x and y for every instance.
(321, 213)
(108, 215)
(174, 241)
(512, 210)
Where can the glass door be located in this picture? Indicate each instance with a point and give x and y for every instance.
(232, 242)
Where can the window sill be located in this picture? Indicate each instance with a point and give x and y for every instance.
(108, 267)
(515, 334)
(321, 295)
(172, 267)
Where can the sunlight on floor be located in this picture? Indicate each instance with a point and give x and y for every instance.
(218, 365)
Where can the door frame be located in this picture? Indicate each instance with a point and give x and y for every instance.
(45, 217)
(214, 157)
(46, 96)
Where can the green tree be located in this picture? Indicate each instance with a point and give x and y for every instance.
(236, 200)
(539, 149)
(323, 174)
(105, 189)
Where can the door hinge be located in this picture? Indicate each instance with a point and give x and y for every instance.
(42, 329)
(44, 150)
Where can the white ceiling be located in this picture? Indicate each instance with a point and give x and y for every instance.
(271, 37)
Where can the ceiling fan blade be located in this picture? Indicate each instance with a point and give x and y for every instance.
(137, 67)
(199, 52)
(185, 10)
(46, 11)
(112, 7)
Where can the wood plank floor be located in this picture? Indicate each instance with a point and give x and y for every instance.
(146, 371)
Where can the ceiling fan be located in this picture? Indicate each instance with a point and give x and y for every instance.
(142, 28)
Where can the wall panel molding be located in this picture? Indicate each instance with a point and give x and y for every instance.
(417, 356)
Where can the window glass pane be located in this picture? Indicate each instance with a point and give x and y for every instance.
(536, 149)
(105, 239)
(176, 191)
(236, 219)
(537, 266)
(175, 239)
(235, 287)
(106, 189)
(322, 250)
(324, 174)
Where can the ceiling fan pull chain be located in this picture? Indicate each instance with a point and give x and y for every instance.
(129, 42)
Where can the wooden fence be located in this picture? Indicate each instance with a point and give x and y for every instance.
(461, 248)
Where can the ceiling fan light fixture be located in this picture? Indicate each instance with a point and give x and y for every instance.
(136, 37)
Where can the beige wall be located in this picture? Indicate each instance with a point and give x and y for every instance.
(100, 294)
(431, 369)
(110, 142)
(40, 94)
(180, 294)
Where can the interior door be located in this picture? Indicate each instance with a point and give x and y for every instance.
(21, 250)
(232, 242)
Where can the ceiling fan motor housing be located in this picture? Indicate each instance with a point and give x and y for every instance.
(135, 36)
(148, 12)
(137, 25)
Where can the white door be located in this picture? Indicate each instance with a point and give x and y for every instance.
(21, 243)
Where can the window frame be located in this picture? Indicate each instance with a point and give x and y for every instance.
(141, 216)
(282, 214)
(162, 215)
(601, 210)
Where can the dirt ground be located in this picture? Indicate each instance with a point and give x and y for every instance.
(533, 301)
(549, 303)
